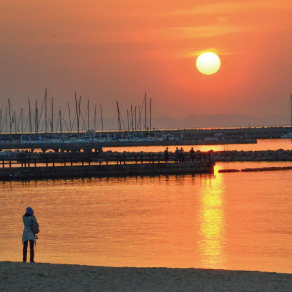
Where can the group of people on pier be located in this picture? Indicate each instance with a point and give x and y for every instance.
(179, 154)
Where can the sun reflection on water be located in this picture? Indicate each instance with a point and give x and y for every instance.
(212, 225)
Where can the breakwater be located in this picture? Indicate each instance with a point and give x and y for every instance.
(10, 157)
(89, 146)
(268, 155)
(254, 169)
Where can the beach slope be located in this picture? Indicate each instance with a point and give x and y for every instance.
(52, 277)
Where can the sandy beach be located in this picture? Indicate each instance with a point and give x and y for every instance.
(53, 277)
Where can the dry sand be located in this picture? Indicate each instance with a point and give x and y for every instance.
(52, 277)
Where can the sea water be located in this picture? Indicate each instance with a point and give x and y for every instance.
(239, 221)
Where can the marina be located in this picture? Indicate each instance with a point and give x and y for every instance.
(152, 143)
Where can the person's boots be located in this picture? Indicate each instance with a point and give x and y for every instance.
(24, 253)
(32, 253)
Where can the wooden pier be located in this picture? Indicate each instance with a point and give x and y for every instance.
(67, 165)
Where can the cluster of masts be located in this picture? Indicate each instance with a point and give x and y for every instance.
(135, 117)
(44, 120)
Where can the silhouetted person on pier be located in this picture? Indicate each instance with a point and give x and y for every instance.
(28, 235)
(181, 155)
(176, 155)
(192, 152)
(166, 154)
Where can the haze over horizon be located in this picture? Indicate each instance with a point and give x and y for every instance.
(109, 51)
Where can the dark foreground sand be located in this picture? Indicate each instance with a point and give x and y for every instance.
(51, 277)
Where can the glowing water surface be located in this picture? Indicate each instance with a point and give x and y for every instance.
(239, 221)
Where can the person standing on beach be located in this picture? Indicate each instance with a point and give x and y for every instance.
(28, 235)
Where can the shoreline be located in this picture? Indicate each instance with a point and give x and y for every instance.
(17, 276)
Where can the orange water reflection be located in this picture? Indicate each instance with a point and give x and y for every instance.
(226, 220)
(212, 224)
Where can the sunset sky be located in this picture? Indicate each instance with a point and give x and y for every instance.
(108, 51)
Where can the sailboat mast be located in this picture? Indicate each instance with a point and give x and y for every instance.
(94, 119)
(0, 120)
(52, 123)
(119, 118)
(60, 117)
(36, 117)
(21, 118)
(145, 113)
(101, 118)
(135, 119)
(70, 118)
(291, 108)
(46, 117)
(150, 114)
(6, 122)
(88, 114)
(140, 118)
(29, 117)
(132, 120)
(14, 120)
(9, 111)
(77, 113)
(128, 120)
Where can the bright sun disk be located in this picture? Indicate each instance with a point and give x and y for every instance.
(208, 63)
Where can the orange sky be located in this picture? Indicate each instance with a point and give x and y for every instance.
(112, 50)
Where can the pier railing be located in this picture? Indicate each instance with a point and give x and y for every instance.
(69, 159)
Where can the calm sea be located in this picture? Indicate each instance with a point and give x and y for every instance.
(239, 221)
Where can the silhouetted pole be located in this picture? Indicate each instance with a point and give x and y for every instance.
(291, 108)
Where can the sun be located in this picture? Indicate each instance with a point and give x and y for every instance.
(208, 63)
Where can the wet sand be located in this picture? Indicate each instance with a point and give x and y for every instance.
(53, 277)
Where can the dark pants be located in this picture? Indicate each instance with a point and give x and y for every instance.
(31, 244)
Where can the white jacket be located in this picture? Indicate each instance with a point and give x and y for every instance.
(27, 233)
